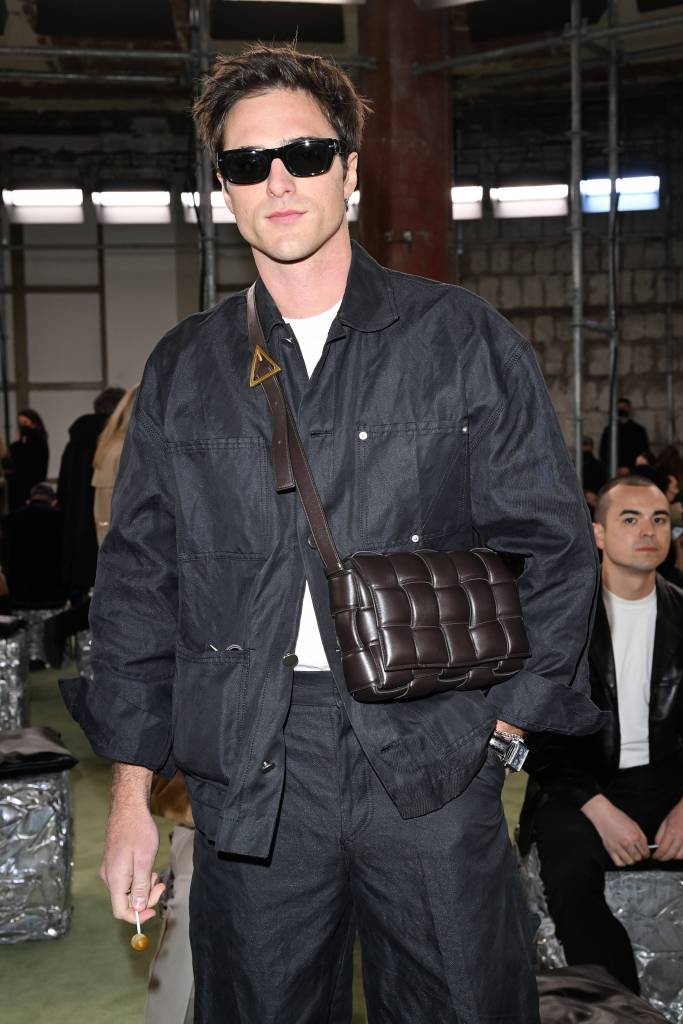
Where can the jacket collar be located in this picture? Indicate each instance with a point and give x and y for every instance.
(667, 633)
(601, 655)
(667, 636)
(368, 304)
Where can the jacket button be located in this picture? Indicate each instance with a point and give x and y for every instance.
(267, 765)
(290, 660)
(310, 540)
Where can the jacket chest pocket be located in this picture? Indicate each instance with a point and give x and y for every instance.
(221, 504)
(404, 470)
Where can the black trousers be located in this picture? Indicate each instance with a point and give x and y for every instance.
(573, 866)
(437, 902)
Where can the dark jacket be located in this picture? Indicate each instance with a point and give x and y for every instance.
(632, 441)
(32, 556)
(29, 457)
(578, 768)
(426, 416)
(76, 497)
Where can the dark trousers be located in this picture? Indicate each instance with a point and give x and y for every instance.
(444, 932)
(573, 866)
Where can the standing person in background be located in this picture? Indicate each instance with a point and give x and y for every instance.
(76, 494)
(106, 461)
(29, 456)
(632, 440)
(76, 497)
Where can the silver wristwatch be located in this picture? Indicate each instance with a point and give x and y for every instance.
(510, 748)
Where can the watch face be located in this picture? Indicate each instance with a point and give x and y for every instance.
(517, 757)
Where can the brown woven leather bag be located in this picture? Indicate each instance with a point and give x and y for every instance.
(408, 623)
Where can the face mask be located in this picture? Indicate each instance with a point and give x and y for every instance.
(25, 431)
(622, 415)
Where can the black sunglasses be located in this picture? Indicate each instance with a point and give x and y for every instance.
(304, 158)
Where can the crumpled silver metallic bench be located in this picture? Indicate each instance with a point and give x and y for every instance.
(36, 835)
(649, 904)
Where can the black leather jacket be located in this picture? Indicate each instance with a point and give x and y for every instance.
(578, 768)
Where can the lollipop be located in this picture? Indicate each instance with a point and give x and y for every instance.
(139, 941)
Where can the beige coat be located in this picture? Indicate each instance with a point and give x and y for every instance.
(103, 480)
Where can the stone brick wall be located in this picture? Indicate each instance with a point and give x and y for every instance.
(524, 268)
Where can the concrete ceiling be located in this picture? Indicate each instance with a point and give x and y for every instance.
(77, 110)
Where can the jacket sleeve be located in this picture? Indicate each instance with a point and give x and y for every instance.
(126, 709)
(526, 500)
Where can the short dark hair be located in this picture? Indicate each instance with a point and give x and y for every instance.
(260, 68)
(624, 401)
(107, 400)
(42, 492)
(602, 501)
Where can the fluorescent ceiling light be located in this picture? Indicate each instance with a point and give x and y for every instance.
(467, 194)
(131, 198)
(43, 197)
(220, 214)
(467, 202)
(133, 207)
(342, 3)
(44, 205)
(635, 193)
(530, 201)
(528, 193)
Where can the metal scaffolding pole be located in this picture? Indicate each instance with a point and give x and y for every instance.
(91, 77)
(4, 376)
(613, 241)
(96, 52)
(576, 230)
(205, 174)
(668, 328)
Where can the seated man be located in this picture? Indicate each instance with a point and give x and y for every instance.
(613, 799)
(32, 551)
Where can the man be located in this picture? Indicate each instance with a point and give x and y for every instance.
(593, 470)
(427, 423)
(32, 551)
(613, 799)
(632, 440)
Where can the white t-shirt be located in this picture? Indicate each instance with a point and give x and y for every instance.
(632, 625)
(311, 333)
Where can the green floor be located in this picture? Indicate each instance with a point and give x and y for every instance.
(91, 975)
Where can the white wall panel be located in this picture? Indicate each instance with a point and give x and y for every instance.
(61, 267)
(63, 337)
(140, 289)
(59, 409)
(234, 265)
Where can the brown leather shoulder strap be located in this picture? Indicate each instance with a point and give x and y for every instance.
(290, 465)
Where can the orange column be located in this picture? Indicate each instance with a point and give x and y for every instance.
(406, 159)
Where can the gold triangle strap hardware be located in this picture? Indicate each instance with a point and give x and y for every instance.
(260, 356)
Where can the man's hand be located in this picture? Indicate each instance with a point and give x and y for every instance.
(670, 835)
(622, 837)
(131, 845)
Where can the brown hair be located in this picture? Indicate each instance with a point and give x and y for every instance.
(602, 501)
(116, 427)
(260, 68)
